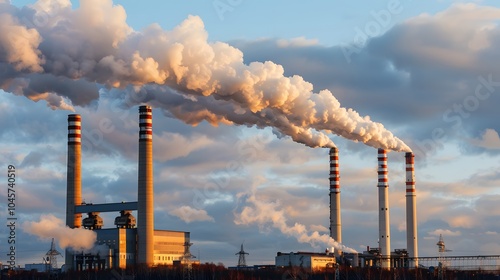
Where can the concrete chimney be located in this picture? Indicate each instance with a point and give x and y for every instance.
(335, 219)
(74, 178)
(383, 204)
(145, 221)
(411, 211)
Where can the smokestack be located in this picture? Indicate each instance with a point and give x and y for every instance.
(335, 219)
(73, 177)
(145, 223)
(411, 210)
(383, 204)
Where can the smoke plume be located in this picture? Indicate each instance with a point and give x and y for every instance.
(65, 56)
(50, 226)
(264, 213)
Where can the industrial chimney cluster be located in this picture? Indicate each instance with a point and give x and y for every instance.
(127, 244)
(145, 186)
(150, 247)
(384, 237)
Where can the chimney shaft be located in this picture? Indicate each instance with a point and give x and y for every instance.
(73, 177)
(145, 222)
(411, 210)
(335, 217)
(383, 202)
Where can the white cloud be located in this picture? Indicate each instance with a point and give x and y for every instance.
(170, 146)
(402, 226)
(445, 232)
(463, 221)
(189, 214)
(488, 140)
(297, 42)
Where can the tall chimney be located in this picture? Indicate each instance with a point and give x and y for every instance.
(73, 177)
(383, 204)
(335, 219)
(145, 223)
(411, 211)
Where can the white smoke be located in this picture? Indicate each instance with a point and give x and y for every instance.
(49, 226)
(51, 45)
(264, 213)
(101, 250)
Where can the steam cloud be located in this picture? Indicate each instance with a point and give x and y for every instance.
(65, 56)
(265, 213)
(50, 226)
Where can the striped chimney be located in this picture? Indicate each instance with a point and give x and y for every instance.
(73, 178)
(411, 210)
(383, 204)
(335, 217)
(145, 221)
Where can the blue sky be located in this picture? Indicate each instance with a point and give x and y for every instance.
(328, 22)
(417, 72)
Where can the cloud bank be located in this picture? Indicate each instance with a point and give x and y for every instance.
(68, 54)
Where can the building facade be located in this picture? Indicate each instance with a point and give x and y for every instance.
(306, 260)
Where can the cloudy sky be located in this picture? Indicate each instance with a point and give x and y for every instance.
(245, 94)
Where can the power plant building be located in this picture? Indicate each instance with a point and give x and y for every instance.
(169, 246)
(123, 244)
(306, 260)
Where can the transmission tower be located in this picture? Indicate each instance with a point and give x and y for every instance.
(241, 260)
(51, 256)
(188, 264)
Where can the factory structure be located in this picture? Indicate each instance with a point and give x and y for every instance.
(132, 242)
(127, 242)
(382, 255)
(306, 260)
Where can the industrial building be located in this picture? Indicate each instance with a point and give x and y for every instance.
(306, 260)
(125, 243)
